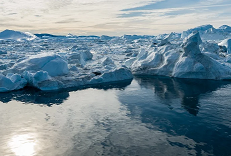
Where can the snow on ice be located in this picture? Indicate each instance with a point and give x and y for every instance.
(50, 62)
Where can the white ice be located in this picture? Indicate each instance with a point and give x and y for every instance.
(57, 62)
(186, 62)
(16, 35)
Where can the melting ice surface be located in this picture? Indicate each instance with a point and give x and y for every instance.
(148, 116)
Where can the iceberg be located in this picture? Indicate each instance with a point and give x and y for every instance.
(201, 29)
(84, 79)
(16, 35)
(49, 71)
(185, 62)
(11, 82)
(56, 62)
(225, 28)
(208, 32)
(53, 64)
(227, 44)
(166, 40)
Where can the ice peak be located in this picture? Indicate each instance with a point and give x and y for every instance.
(225, 28)
(166, 40)
(191, 44)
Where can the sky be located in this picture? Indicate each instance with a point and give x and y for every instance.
(112, 17)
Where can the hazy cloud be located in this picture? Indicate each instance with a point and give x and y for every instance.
(112, 16)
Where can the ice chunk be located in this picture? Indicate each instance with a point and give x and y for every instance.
(41, 76)
(13, 82)
(114, 75)
(15, 78)
(227, 44)
(209, 47)
(200, 29)
(134, 37)
(129, 62)
(108, 61)
(5, 84)
(74, 68)
(105, 37)
(142, 54)
(50, 85)
(53, 64)
(87, 55)
(34, 79)
(191, 44)
(80, 57)
(76, 58)
(166, 40)
(225, 28)
(153, 60)
(119, 74)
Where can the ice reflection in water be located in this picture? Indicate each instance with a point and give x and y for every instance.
(193, 109)
(150, 116)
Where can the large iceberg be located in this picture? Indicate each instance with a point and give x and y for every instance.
(185, 62)
(225, 28)
(201, 29)
(16, 35)
(208, 32)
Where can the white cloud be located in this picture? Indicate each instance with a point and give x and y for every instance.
(103, 16)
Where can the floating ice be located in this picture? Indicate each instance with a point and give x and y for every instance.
(11, 82)
(16, 35)
(225, 28)
(201, 29)
(107, 62)
(188, 62)
(208, 32)
(227, 44)
(210, 47)
(80, 79)
(166, 40)
(53, 64)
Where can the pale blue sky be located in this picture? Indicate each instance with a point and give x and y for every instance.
(112, 17)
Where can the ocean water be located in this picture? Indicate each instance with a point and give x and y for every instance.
(145, 117)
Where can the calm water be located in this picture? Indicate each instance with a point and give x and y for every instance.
(148, 116)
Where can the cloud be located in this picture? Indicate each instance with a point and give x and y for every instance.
(111, 17)
(70, 20)
(164, 4)
(131, 14)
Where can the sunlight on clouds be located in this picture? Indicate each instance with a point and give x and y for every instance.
(80, 17)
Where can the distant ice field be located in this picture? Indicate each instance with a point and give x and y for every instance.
(50, 62)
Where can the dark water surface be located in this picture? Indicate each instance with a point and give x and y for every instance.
(148, 116)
